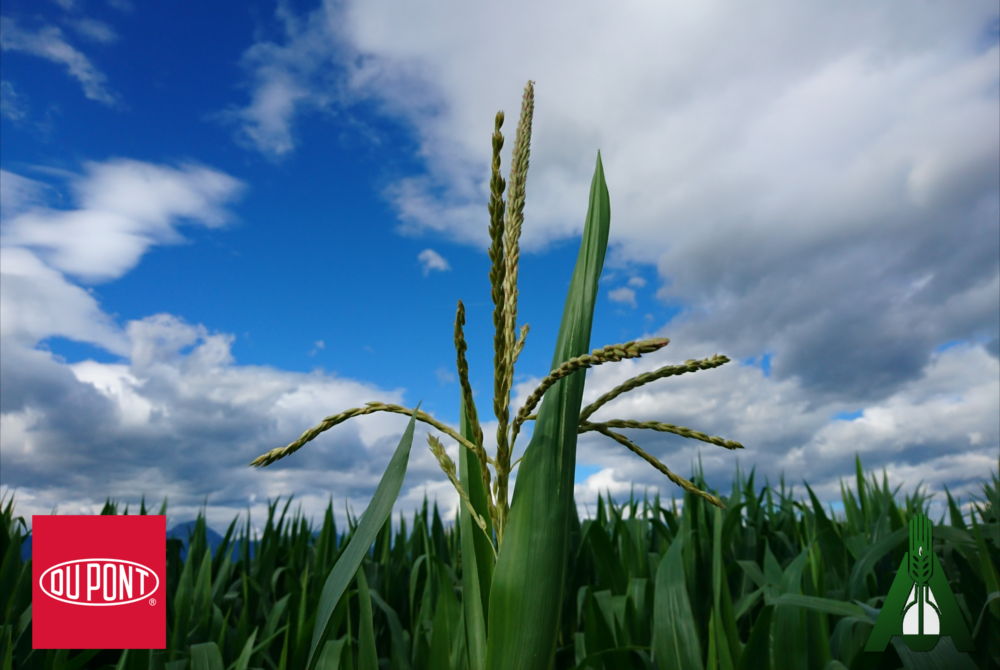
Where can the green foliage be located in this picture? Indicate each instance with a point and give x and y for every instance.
(646, 586)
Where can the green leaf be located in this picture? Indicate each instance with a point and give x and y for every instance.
(754, 572)
(747, 602)
(790, 629)
(829, 539)
(817, 604)
(332, 655)
(10, 568)
(757, 652)
(727, 635)
(872, 555)
(82, 659)
(598, 626)
(243, 661)
(206, 656)
(526, 595)
(609, 567)
(399, 650)
(445, 620)
(591, 661)
(274, 617)
(675, 635)
(477, 553)
(371, 522)
(367, 655)
(182, 608)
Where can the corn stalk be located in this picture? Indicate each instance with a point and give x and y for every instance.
(514, 552)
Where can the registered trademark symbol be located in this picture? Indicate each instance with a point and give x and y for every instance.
(152, 601)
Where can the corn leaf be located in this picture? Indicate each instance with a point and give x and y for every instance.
(757, 652)
(872, 555)
(357, 548)
(400, 652)
(527, 589)
(445, 620)
(477, 554)
(367, 655)
(244, 659)
(333, 652)
(675, 634)
(206, 656)
(789, 629)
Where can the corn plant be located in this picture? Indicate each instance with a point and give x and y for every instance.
(513, 567)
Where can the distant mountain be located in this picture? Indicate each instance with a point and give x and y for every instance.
(182, 530)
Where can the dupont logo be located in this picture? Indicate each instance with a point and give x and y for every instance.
(106, 582)
(99, 582)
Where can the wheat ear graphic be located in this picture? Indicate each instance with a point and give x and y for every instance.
(921, 563)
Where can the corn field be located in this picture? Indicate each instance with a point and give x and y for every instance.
(767, 582)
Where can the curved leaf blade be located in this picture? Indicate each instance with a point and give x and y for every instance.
(367, 655)
(526, 594)
(477, 554)
(371, 523)
(675, 636)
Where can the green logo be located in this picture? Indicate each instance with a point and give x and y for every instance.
(921, 605)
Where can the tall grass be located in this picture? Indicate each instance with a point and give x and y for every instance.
(770, 581)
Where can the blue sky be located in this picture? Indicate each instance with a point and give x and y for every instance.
(222, 224)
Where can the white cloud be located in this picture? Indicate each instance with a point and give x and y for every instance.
(12, 103)
(176, 414)
(95, 30)
(623, 295)
(445, 376)
(125, 207)
(817, 182)
(726, 128)
(36, 302)
(18, 194)
(432, 260)
(287, 81)
(637, 282)
(48, 43)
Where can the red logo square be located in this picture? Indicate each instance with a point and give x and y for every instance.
(99, 582)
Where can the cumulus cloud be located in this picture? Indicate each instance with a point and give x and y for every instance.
(124, 207)
(431, 260)
(623, 295)
(176, 414)
(816, 187)
(49, 43)
(905, 431)
(18, 193)
(637, 282)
